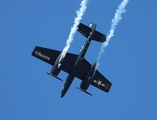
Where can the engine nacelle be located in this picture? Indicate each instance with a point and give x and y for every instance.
(89, 78)
(57, 66)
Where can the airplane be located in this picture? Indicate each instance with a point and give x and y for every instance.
(76, 65)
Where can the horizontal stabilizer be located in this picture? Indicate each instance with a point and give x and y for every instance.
(85, 30)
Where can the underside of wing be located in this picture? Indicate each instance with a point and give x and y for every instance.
(47, 55)
(83, 69)
(69, 62)
(101, 82)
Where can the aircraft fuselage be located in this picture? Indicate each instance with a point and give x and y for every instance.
(78, 61)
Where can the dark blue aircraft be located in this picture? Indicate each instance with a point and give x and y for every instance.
(76, 65)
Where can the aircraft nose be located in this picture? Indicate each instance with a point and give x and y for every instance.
(62, 93)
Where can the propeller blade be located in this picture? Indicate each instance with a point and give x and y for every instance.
(49, 73)
(84, 91)
(78, 88)
(58, 78)
(87, 93)
(54, 76)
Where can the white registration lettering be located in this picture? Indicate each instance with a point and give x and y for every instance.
(42, 55)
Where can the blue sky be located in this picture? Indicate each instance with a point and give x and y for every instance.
(129, 61)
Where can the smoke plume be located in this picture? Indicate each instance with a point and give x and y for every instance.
(114, 23)
(77, 20)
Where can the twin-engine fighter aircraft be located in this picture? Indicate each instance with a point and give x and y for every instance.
(76, 65)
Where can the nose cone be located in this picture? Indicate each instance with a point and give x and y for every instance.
(62, 93)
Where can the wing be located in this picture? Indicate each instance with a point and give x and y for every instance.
(99, 81)
(49, 56)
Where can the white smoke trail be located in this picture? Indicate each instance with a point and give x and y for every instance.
(77, 20)
(115, 20)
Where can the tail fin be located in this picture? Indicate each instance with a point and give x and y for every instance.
(85, 30)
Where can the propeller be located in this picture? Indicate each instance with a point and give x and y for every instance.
(87, 93)
(54, 76)
(58, 78)
(84, 91)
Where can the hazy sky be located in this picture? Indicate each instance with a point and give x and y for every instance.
(129, 61)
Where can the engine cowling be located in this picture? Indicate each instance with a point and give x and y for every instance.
(89, 78)
(57, 66)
